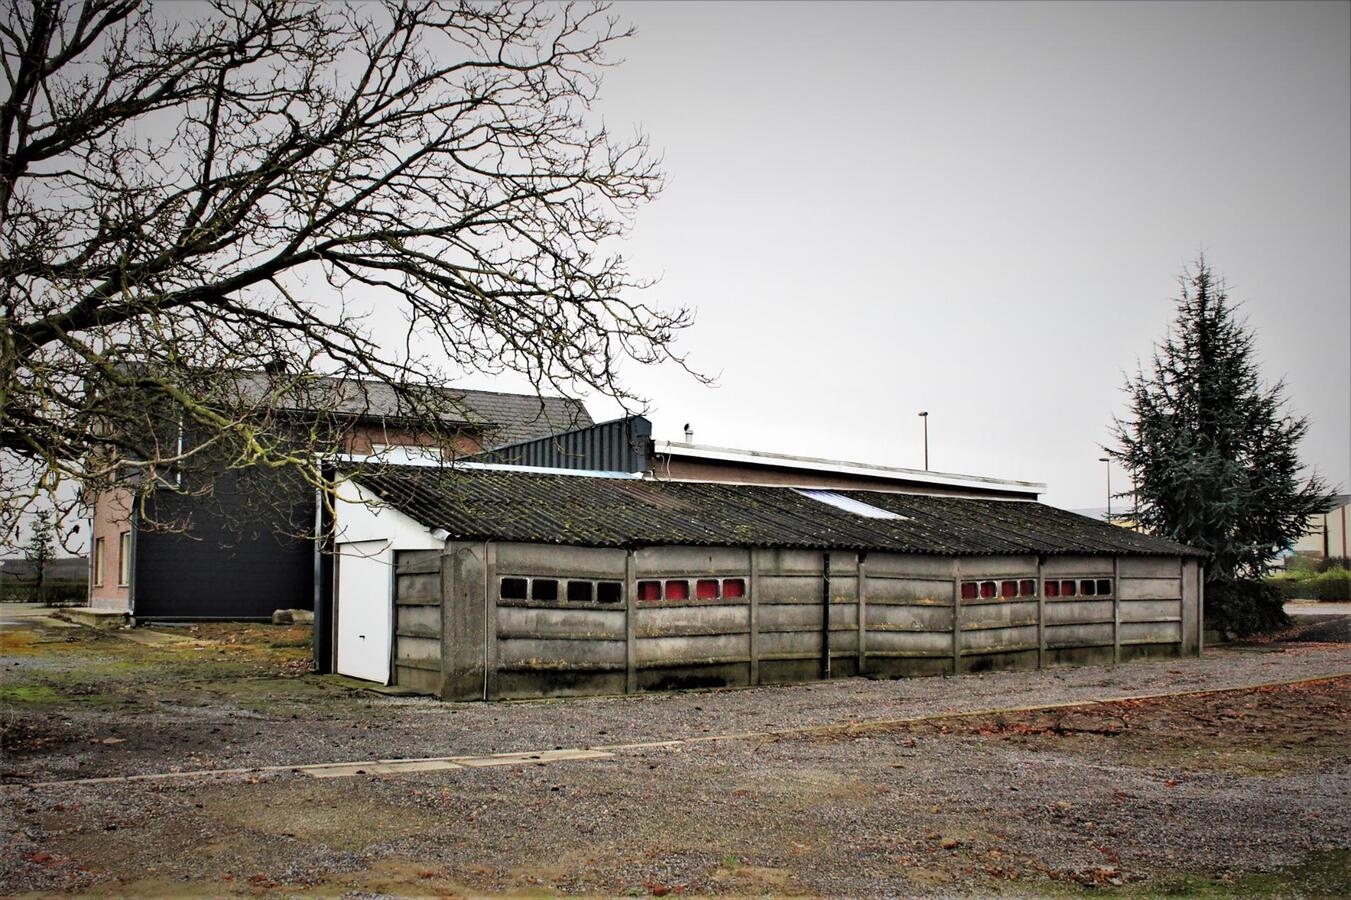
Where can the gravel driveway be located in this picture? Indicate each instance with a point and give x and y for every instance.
(1239, 791)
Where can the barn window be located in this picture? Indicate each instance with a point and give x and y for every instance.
(543, 589)
(649, 590)
(1052, 588)
(580, 591)
(734, 587)
(987, 590)
(1027, 587)
(677, 590)
(1087, 588)
(609, 592)
(1008, 589)
(513, 588)
(706, 589)
(1104, 587)
(969, 590)
(1067, 588)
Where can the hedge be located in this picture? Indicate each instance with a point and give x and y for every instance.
(56, 592)
(1334, 584)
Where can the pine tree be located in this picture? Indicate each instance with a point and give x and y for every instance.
(1212, 449)
(40, 550)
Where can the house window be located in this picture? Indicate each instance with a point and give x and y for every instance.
(706, 589)
(1027, 588)
(1008, 589)
(98, 561)
(543, 589)
(580, 591)
(124, 559)
(1052, 588)
(969, 590)
(733, 587)
(513, 588)
(677, 590)
(649, 591)
(1104, 587)
(609, 592)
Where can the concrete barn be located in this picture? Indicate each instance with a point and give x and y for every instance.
(491, 582)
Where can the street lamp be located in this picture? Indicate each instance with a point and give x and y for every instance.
(924, 414)
(1108, 460)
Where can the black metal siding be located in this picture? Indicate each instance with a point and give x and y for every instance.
(616, 446)
(238, 557)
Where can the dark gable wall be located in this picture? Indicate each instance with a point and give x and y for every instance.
(239, 556)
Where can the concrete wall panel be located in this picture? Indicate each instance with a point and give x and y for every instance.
(677, 650)
(526, 620)
(1066, 612)
(548, 653)
(910, 618)
(999, 639)
(1059, 636)
(907, 590)
(691, 562)
(560, 562)
(1150, 567)
(1079, 566)
(999, 567)
(997, 615)
(911, 566)
(1151, 632)
(1149, 610)
(916, 643)
(1150, 589)
(652, 620)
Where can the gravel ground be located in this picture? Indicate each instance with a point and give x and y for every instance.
(1243, 791)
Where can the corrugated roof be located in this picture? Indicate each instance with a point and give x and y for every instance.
(617, 512)
(505, 418)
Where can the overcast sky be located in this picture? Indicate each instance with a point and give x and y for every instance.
(981, 210)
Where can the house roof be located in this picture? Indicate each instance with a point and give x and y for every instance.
(499, 504)
(505, 418)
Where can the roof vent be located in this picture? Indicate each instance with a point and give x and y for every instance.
(849, 504)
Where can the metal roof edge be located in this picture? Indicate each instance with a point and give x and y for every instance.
(760, 457)
(429, 463)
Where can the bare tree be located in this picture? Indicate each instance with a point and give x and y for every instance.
(191, 195)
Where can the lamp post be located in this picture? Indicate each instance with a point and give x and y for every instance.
(1108, 460)
(924, 414)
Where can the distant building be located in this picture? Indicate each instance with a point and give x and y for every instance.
(1326, 535)
(241, 554)
(626, 446)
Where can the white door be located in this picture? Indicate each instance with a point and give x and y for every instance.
(365, 609)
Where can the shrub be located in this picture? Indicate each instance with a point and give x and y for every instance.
(1300, 565)
(1328, 563)
(1244, 607)
(56, 592)
(1334, 584)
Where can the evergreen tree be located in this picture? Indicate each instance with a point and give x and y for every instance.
(1212, 449)
(40, 550)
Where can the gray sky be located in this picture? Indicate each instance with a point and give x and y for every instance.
(981, 210)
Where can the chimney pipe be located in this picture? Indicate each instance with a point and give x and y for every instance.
(689, 434)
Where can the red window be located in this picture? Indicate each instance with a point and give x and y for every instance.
(706, 589)
(1053, 589)
(1008, 589)
(1067, 588)
(1087, 588)
(969, 589)
(677, 590)
(733, 587)
(987, 590)
(649, 590)
(1104, 587)
(1027, 587)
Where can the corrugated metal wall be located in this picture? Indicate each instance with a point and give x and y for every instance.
(616, 446)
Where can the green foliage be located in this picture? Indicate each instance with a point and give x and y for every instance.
(1334, 584)
(1210, 447)
(53, 592)
(1328, 563)
(1244, 606)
